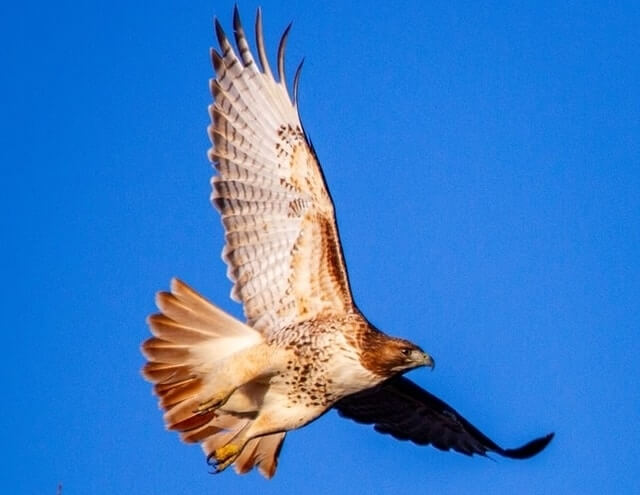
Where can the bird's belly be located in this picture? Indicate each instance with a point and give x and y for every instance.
(297, 406)
(315, 385)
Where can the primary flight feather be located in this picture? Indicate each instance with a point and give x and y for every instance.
(237, 388)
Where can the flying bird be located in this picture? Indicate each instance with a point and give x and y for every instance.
(237, 387)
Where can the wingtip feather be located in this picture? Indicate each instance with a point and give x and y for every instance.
(223, 41)
(296, 81)
(281, 50)
(262, 52)
(529, 449)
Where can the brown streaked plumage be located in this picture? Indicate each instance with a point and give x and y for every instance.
(237, 388)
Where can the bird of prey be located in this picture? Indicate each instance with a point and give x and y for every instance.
(238, 387)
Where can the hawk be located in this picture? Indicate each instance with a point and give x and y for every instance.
(238, 387)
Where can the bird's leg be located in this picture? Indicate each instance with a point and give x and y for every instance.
(233, 372)
(223, 457)
(271, 419)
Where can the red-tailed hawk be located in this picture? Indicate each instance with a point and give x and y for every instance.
(237, 388)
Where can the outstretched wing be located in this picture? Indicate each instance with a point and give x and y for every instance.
(282, 246)
(407, 412)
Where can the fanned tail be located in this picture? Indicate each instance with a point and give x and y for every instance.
(190, 336)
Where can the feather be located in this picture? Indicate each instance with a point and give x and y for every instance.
(165, 352)
(241, 40)
(158, 372)
(262, 53)
(165, 328)
(407, 412)
(268, 452)
(247, 458)
(296, 81)
(281, 49)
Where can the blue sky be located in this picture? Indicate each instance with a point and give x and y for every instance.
(485, 165)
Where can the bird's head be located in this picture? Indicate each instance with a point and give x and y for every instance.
(388, 356)
(402, 355)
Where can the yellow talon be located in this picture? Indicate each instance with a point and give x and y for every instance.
(223, 453)
(224, 457)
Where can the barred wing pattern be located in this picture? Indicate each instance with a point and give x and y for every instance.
(282, 246)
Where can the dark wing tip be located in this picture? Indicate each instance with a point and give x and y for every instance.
(262, 52)
(216, 59)
(223, 40)
(281, 50)
(529, 449)
(296, 81)
(219, 30)
(237, 23)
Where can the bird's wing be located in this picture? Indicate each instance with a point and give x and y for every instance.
(282, 246)
(402, 409)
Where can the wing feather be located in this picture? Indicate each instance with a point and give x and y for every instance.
(407, 412)
(282, 245)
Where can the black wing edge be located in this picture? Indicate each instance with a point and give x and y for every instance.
(534, 447)
(401, 395)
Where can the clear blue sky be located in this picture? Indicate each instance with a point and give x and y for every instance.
(485, 164)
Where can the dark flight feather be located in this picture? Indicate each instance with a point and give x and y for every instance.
(406, 411)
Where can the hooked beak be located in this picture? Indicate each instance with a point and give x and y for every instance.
(428, 361)
(421, 358)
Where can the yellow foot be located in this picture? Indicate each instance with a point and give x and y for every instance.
(223, 457)
(213, 403)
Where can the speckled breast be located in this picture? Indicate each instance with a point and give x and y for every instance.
(323, 362)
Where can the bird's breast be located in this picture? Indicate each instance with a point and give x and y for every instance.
(321, 368)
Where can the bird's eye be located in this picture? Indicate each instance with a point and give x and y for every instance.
(406, 351)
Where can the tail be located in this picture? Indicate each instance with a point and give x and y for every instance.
(190, 336)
